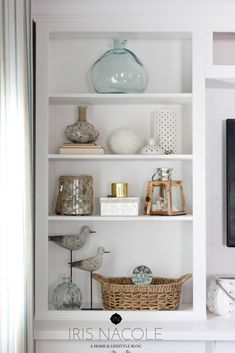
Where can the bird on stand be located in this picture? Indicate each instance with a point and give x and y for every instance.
(72, 242)
(91, 264)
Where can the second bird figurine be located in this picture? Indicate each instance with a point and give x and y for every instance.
(92, 263)
(72, 242)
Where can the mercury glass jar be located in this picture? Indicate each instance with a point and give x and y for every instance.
(163, 174)
(119, 70)
(75, 196)
(67, 295)
(81, 131)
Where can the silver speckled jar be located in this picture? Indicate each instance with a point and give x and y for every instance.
(81, 131)
(163, 174)
(75, 196)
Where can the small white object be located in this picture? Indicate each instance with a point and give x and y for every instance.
(125, 206)
(221, 296)
(124, 141)
(165, 129)
(152, 148)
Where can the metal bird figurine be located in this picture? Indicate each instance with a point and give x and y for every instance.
(92, 263)
(72, 242)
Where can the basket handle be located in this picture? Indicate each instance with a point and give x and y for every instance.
(184, 278)
(98, 277)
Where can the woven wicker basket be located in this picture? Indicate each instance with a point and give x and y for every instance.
(119, 293)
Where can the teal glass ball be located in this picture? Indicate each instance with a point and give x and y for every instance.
(142, 275)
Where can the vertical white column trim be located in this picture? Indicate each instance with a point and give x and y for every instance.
(41, 219)
(209, 53)
(199, 175)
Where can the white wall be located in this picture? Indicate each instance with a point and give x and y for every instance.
(133, 7)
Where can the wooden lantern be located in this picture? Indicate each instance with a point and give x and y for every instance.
(165, 198)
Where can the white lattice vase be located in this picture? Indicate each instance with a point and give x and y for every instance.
(165, 129)
(221, 296)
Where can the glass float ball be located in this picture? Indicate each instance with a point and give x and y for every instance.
(142, 275)
(67, 296)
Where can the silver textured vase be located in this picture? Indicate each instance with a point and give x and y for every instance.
(75, 196)
(81, 131)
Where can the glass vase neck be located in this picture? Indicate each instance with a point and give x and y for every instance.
(119, 43)
(67, 279)
(82, 112)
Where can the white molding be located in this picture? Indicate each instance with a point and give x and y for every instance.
(214, 329)
(219, 19)
(222, 23)
(199, 174)
(41, 208)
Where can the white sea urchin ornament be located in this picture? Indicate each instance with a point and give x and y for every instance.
(124, 141)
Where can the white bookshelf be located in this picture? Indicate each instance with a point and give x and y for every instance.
(176, 245)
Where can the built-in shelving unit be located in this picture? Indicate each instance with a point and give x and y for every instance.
(170, 246)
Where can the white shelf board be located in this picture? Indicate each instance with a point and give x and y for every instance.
(221, 76)
(213, 329)
(121, 157)
(121, 218)
(115, 99)
(220, 83)
(160, 34)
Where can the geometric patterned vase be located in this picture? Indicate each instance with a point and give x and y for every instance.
(165, 129)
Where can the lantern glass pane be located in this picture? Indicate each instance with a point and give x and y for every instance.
(176, 199)
(159, 199)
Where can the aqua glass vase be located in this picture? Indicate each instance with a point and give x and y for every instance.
(119, 71)
(67, 296)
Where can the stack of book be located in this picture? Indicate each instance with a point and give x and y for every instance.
(81, 148)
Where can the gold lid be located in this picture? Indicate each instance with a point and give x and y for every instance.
(119, 189)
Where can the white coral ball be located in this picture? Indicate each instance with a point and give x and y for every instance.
(124, 141)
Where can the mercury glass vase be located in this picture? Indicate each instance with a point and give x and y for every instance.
(67, 296)
(119, 70)
(75, 197)
(81, 131)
